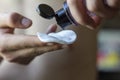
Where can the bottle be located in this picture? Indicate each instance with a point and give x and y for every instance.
(62, 16)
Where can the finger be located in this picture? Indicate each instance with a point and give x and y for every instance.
(99, 8)
(24, 56)
(113, 3)
(4, 30)
(51, 28)
(14, 20)
(10, 42)
(97, 20)
(79, 12)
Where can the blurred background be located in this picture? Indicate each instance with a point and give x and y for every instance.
(108, 59)
(108, 37)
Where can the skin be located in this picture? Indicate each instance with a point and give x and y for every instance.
(101, 10)
(21, 48)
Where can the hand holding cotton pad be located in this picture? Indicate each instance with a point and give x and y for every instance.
(62, 37)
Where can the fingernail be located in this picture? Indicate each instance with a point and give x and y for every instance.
(26, 22)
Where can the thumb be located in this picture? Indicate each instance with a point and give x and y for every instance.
(14, 20)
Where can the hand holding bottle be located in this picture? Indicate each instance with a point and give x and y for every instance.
(81, 11)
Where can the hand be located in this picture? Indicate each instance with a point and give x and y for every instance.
(21, 48)
(98, 10)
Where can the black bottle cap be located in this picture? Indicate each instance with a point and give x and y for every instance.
(45, 11)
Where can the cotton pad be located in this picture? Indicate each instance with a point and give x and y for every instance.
(62, 37)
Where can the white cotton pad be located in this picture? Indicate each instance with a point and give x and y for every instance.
(62, 37)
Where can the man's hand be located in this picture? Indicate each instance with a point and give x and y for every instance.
(21, 48)
(91, 12)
